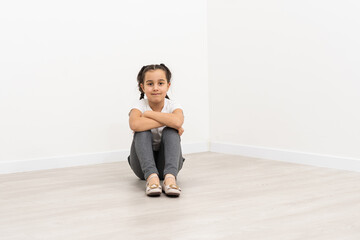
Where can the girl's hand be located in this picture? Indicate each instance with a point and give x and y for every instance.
(180, 130)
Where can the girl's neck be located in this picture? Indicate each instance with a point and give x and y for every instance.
(157, 107)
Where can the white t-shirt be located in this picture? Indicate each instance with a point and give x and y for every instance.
(169, 107)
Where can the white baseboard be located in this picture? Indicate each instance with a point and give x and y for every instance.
(195, 147)
(319, 160)
(82, 159)
(61, 161)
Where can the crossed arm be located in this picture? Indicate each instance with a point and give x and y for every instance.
(149, 119)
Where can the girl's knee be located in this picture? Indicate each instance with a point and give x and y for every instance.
(169, 131)
(143, 134)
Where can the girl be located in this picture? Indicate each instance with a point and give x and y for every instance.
(157, 124)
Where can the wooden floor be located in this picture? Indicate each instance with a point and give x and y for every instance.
(223, 197)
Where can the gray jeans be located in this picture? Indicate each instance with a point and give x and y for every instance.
(144, 161)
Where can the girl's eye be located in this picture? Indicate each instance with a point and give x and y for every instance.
(161, 83)
(149, 84)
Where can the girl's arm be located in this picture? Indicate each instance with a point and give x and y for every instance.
(140, 123)
(173, 120)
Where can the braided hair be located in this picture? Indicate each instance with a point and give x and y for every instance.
(144, 69)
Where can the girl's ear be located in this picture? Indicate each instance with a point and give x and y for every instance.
(169, 85)
(142, 87)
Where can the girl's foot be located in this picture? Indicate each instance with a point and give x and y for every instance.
(153, 187)
(169, 186)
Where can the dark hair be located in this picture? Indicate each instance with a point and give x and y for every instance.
(144, 69)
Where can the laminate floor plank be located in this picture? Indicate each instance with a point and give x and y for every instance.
(223, 197)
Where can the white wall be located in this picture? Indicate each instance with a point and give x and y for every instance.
(284, 75)
(68, 73)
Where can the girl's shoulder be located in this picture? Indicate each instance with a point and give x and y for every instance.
(172, 104)
(142, 102)
(141, 105)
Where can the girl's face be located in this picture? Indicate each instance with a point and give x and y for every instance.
(155, 85)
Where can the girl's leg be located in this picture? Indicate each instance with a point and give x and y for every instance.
(141, 157)
(169, 160)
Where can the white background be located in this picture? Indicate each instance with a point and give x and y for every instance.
(68, 72)
(270, 74)
(286, 75)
